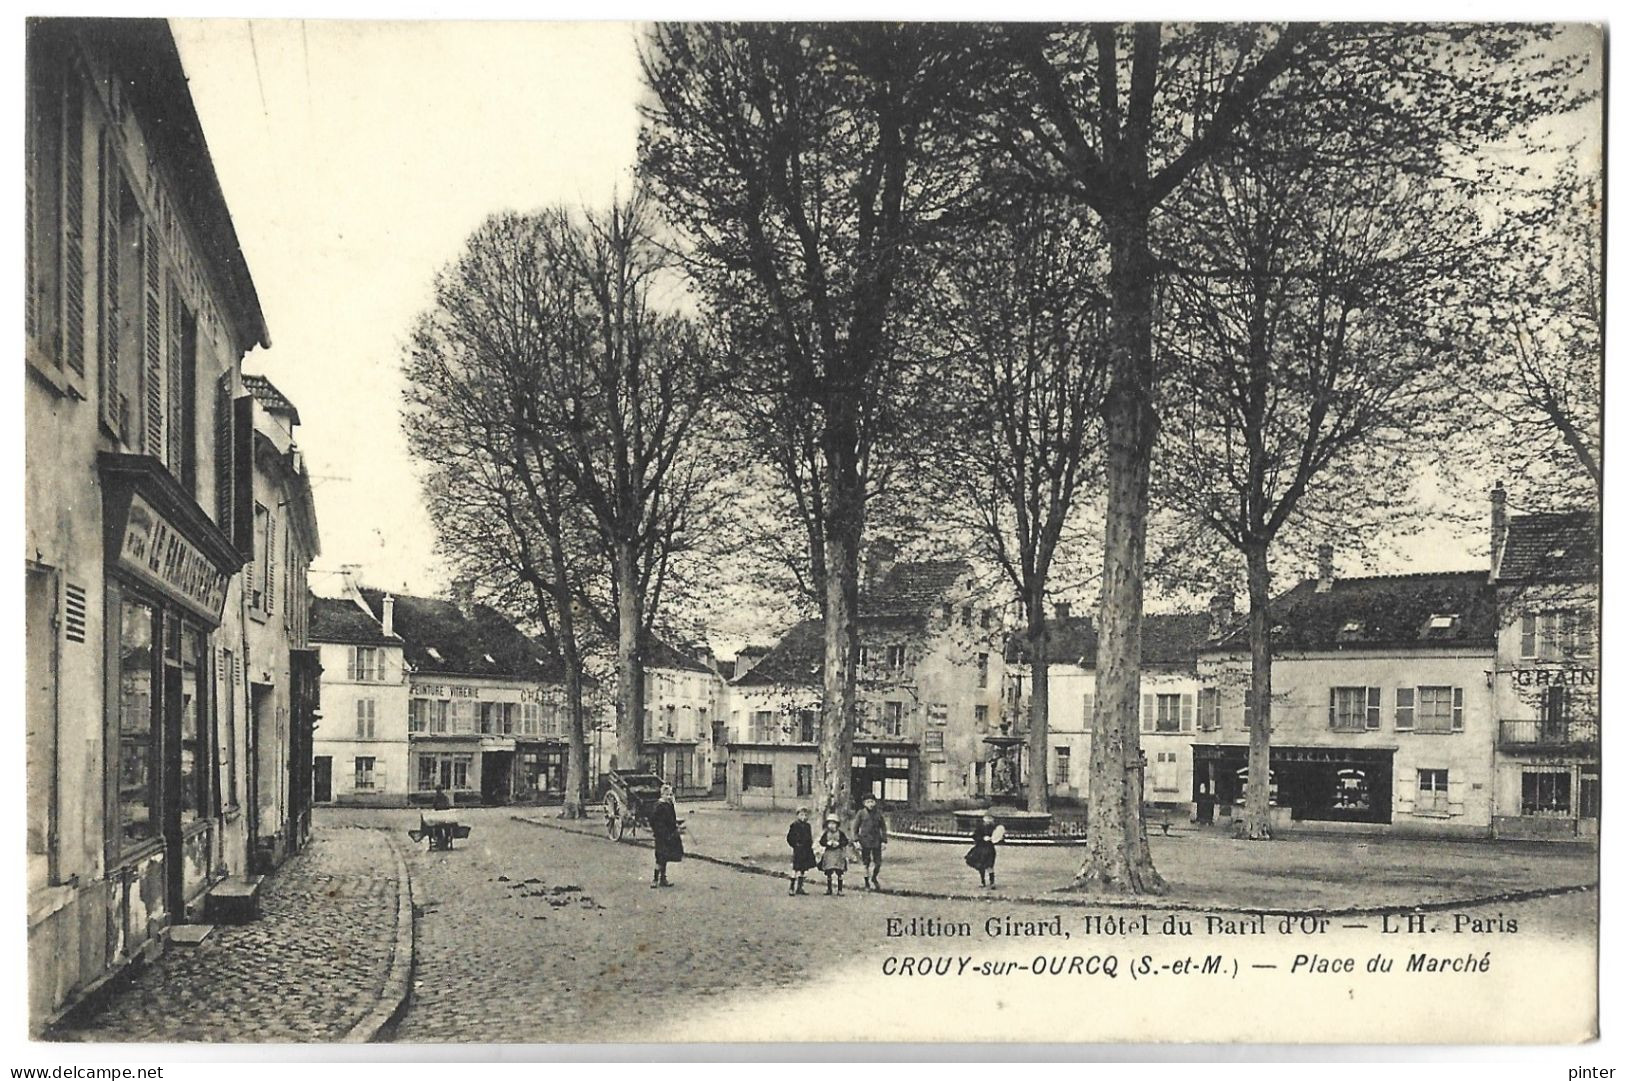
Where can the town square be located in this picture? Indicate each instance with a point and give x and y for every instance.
(582, 533)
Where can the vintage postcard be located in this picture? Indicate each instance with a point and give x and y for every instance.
(812, 532)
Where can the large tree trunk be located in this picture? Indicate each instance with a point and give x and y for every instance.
(629, 658)
(843, 538)
(1118, 857)
(576, 782)
(1038, 710)
(1258, 742)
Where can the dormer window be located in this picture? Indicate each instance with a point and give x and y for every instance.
(489, 659)
(1354, 628)
(434, 654)
(1442, 622)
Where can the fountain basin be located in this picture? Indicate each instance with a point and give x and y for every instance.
(1016, 823)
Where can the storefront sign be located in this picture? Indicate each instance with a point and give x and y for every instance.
(1554, 677)
(442, 690)
(153, 550)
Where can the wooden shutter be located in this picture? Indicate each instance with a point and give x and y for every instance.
(1147, 713)
(225, 477)
(1458, 716)
(110, 184)
(1373, 707)
(354, 663)
(73, 222)
(1088, 711)
(152, 335)
(270, 561)
(176, 451)
(1331, 709)
(1404, 709)
(1185, 703)
(32, 147)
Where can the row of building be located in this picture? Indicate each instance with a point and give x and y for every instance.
(169, 526)
(1461, 703)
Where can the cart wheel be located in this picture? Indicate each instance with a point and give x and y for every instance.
(617, 827)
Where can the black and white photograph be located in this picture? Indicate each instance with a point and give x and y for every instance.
(788, 532)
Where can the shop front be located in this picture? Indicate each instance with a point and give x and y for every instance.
(168, 568)
(539, 771)
(1317, 784)
(886, 771)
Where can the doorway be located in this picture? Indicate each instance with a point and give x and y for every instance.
(496, 777)
(322, 779)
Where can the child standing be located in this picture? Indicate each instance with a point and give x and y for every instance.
(802, 860)
(870, 830)
(982, 854)
(833, 860)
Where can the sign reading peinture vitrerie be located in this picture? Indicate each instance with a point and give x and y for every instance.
(154, 550)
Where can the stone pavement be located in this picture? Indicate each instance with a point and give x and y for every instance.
(1205, 868)
(308, 970)
(531, 935)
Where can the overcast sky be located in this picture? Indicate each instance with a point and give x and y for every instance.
(356, 158)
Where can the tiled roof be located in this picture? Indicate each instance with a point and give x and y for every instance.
(342, 620)
(484, 643)
(659, 654)
(265, 392)
(1557, 546)
(1398, 611)
(904, 599)
(1166, 640)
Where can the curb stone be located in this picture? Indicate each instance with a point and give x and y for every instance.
(392, 1000)
(1159, 904)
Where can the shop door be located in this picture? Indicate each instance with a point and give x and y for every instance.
(496, 777)
(322, 778)
(174, 857)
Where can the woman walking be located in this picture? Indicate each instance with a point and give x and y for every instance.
(802, 860)
(833, 859)
(982, 854)
(668, 840)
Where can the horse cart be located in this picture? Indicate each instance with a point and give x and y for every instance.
(440, 833)
(628, 800)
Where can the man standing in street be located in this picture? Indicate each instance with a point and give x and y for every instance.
(870, 828)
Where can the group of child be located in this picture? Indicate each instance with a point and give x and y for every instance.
(832, 845)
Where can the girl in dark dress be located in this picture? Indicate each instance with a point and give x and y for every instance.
(982, 854)
(802, 859)
(668, 841)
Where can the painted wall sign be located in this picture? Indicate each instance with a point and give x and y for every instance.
(152, 549)
(443, 690)
(1554, 677)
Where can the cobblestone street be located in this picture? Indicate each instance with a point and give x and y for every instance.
(308, 970)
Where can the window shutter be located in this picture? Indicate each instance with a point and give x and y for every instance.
(270, 561)
(1373, 707)
(1185, 713)
(73, 221)
(355, 662)
(1331, 709)
(1088, 711)
(172, 300)
(31, 152)
(225, 477)
(1147, 713)
(107, 330)
(1404, 709)
(379, 774)
(1458, 716)
(152, 331)
(360, 718)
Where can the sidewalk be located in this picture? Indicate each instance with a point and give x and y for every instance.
(312, 968)
(1204, 868)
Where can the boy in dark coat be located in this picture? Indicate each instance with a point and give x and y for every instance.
(668, 841)
(870, 831)
(802, 860)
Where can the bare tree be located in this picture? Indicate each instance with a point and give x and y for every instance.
(806, 167)
(1025, 318)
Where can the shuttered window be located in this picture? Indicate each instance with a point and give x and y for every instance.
(110, 186)
(72, 333)
(225, 476)
(152, 343)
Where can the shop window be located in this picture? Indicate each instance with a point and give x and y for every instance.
(1590, 793)
(227, 698)
(804, 780)
(1433, 791)
(1546, 793)
(894, 789)
(193, 795)
(1353, 790)
(428, 772)
(365, 773)
(756, 775)
(460, 764)
(936, 775)
(137, 770)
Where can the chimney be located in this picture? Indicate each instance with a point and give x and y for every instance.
(1498, 526)
(881, 558)
(1063, 611)
(1221, 611)
(389, 615)
(1325, 569)
(462, 592)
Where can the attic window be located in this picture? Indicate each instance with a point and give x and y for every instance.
(1354, 628)
(1557, 553)
(435, 653)
(489, 659)
(1442, 623)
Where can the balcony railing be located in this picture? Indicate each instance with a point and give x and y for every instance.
(1539, 733)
